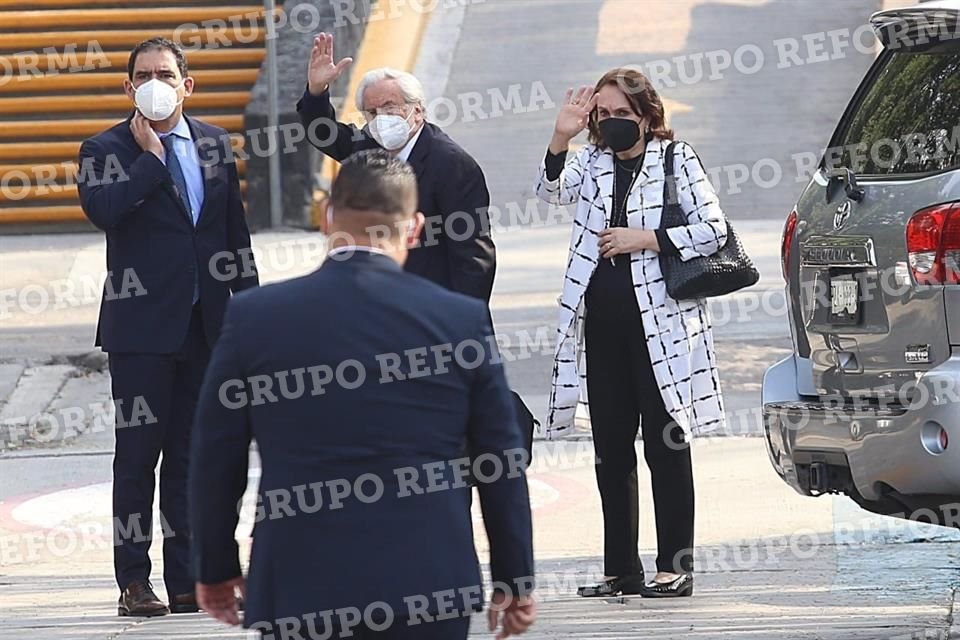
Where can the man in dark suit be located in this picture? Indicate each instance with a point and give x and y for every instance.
(456, 249)
(178, 245)
(362, 386)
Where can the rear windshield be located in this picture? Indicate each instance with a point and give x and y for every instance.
(908, 121)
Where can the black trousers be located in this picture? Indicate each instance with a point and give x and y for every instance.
(623, 396)
(156, 396)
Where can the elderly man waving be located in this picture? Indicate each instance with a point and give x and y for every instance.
(455, 248)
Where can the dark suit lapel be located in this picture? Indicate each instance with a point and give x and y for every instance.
(167, 184)
(210, 151)
(420, 151)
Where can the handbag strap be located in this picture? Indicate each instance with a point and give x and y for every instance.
(669, 179)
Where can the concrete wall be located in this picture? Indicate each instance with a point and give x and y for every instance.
(299, 166)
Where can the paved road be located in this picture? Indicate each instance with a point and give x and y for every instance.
(770, 563)
(737, 119)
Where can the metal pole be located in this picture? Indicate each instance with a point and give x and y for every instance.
(273, 118)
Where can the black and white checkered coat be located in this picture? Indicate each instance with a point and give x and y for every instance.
(679, 334)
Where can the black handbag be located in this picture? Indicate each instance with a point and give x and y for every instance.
(528, 423)
(729, 269)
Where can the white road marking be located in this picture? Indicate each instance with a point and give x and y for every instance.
(74, 509)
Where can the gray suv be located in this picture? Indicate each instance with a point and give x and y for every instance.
(868, 405)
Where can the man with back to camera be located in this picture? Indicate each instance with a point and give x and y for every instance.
(170, 215)
(312, 558)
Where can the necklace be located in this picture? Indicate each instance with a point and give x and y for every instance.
(615, 215)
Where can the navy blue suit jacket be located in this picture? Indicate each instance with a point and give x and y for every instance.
(399, 546)
(452, 191)
(153, 248)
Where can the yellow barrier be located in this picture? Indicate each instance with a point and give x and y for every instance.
(82, 40)
(52, 192)
(36, 83)
(86, 128)
(110, 18)
(61, 64)
(96, 103)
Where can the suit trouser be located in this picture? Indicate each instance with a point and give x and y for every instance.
(622, 389)
(156, 397)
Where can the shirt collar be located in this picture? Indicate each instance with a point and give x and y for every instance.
(181, 130)
(408, 148)
(352, 248)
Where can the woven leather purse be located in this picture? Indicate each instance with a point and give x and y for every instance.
(728, 270)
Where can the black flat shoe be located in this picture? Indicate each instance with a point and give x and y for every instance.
(681, 587)
(626, 585)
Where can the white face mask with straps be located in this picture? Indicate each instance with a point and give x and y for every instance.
(391, 132)
(157, 100)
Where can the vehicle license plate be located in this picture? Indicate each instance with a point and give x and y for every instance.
(844, 300)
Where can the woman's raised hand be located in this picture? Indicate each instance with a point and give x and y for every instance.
(575, 113)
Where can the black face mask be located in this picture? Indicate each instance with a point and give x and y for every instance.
(619, 134)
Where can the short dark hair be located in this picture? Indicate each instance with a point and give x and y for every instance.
(163, 44)
(375, 180)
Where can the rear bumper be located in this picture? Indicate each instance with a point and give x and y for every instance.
(819, 447)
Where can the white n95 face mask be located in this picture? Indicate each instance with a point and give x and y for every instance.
(157, 100)
(390, 132)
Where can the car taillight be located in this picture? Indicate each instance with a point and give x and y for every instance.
(786, 244)
(933, 244)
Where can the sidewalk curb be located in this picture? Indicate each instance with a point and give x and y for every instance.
(39, 415)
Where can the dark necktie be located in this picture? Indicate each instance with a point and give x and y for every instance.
(180, 184)
(176, 172)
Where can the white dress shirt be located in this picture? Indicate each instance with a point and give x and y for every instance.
(404, 153)
(186, 150)
(354, 247)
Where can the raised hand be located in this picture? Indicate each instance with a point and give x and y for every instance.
(322, 70)
(575, 113)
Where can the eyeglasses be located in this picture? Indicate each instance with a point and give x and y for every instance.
(388, 109)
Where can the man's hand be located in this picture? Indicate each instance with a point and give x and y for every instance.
(616, 240)
(518, 614)
(322, 70)
(219, 601)
(145, 136)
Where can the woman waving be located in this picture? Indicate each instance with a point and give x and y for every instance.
(650, 362)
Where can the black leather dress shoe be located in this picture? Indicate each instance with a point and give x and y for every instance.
(139, 600)
(184, 603)
(624, 585)
(680, 587)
